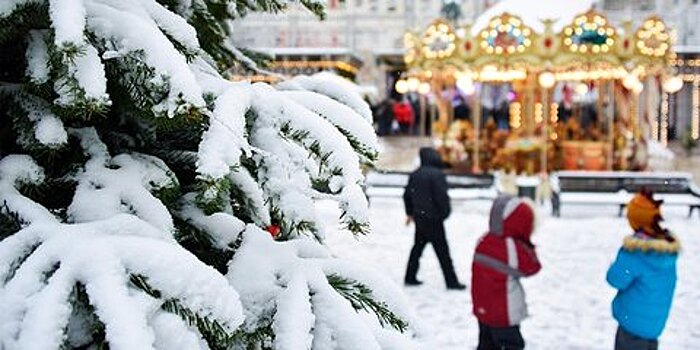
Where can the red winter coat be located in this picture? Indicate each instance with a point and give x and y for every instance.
(403, 113)
(502, 256)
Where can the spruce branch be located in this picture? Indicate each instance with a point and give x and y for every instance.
(361, 298)
(10, 222)
(216, 336)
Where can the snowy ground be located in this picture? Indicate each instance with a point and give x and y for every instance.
(569, 300)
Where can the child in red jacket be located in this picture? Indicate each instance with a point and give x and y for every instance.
(502, 256)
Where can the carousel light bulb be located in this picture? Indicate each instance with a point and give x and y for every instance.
(466, 85)
(412, 84)
(630, 81)
(401, 86)
(423, 88)
(638, 87)
(672, 84)
(546, 79)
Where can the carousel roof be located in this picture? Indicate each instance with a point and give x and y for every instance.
(532, 12)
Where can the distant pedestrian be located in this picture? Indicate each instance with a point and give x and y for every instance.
(644, 274)
(384, 114)
(405, 117)
(502, 256)
(428, 205)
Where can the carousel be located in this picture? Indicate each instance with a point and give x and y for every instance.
(562, 88)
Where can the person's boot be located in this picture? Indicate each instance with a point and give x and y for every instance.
(412, 282)
(456, 286)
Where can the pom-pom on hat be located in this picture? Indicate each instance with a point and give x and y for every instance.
(644, 213)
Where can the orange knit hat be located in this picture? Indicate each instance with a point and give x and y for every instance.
(644, 213)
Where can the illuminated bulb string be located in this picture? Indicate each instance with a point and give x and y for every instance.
(695, 121)
(663, 136)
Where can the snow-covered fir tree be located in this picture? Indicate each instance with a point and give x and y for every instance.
(146, 202)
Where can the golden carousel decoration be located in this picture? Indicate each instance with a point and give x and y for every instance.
(552, 74)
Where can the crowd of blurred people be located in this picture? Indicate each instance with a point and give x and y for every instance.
(399, 115)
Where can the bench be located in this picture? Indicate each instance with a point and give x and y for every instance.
(617, 188)
(461, 186)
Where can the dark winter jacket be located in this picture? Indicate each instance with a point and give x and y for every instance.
(425, 196)
(644, 274)
(502, 256)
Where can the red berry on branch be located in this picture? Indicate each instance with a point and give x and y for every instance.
(274, 230)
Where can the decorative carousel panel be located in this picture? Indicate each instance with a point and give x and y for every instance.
(439, 41)
(589, 33)
(506, 34)
(653, 38)
(469, 44)
(547, 44)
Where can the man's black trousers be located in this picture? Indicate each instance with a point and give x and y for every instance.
(431, 231)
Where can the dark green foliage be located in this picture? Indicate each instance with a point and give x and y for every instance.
(82, 309)
(260, 338)
(200, 244)
(213, 196)
(10, 222)
(13, 31)
(290, 228)
(360, 296)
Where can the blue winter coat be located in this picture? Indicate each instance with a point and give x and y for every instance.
(645, 275)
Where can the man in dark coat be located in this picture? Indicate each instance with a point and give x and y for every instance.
(428, 205)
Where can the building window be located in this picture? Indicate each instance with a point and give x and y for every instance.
(614, 5)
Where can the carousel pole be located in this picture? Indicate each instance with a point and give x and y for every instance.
(423, 116)
(530, 105)
(443, 113)
(611, 122)
(476, 117)
(545, 129)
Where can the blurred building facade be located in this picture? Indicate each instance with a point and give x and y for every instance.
(361, 39)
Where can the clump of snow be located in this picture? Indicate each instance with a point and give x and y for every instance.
(37, 57)
(223, 227)
(15, 170)
(48, 129)
(110, 186)
(222, 144)
(68, 21)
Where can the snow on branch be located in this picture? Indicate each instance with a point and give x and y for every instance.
(123, 184)
(356, 129)
(340, 163)
(332, 86)
(16, 170)
(41, 265)
(289, 283)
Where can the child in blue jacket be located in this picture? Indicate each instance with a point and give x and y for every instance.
(644, 274)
